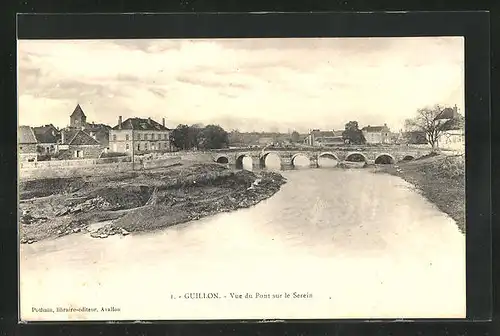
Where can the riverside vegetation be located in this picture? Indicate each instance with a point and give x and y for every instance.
(137, 201)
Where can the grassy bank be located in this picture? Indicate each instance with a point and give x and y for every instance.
(440, 178)
(137, 201)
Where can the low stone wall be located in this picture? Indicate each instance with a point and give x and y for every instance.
(73, 168)
(73, 171)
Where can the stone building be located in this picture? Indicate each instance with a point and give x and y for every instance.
(78, 144)
(48, 137)
(320, 138)
(377, 134)
(27, 144)
(136, 136)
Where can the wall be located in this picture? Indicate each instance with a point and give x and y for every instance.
(118, 141)
(89, 151)
(71, 171)
(69, 168)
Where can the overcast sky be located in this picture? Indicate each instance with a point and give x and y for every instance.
(249, 84)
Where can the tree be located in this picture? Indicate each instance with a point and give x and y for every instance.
(295, 136)
(213, 137)
(353, 134)
(182, 137)
(433, 122)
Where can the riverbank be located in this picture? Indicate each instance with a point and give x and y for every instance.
(440, 178)
(137, 201)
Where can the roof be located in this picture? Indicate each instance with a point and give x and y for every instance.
(447, 113)
(25, 135)
(97, 127)
(453, 124)
(69, 134)
(318, 133)
(74, 136)
(78, 112)
(46, 134)
(141, 124)
(83, 138)
(374, 128)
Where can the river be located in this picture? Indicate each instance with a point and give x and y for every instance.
(354, 243)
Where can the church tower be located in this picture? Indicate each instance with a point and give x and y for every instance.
(78, 119)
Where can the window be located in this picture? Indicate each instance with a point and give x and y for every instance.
(165, 136)
(138, 146)
(146, 146)
(126, 137)
(114, 137)
(127, 146)
(140, 136)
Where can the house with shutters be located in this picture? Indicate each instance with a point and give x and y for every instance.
(377, 134)
(27, 144)
(136, 136)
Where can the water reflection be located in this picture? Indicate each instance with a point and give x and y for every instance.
(327, 162)
(247, 163)
(301, 161)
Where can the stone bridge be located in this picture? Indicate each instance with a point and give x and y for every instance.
(370, 155)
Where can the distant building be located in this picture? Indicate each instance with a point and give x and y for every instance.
(323, 138)
(415, 137)
(377, 134)
(27, 144)
(100, 132)
(78, 144)
(48, 137)
(139, 136)
(453, 135)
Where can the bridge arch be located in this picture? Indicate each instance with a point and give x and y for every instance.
(328, 155)
(356, 157)
(385, 158)
(239, 159)
(262, 159)
(408, 158)
(222, 159)
(292, 161)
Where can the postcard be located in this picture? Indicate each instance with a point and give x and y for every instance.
(252, 178)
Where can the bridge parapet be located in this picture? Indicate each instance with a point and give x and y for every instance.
(370, 154)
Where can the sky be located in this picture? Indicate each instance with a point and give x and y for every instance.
(245, 84)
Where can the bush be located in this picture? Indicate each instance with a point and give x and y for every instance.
(451, 167)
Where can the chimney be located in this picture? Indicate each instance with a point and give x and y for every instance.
(163, 122)
(149, 120)
(120, 122)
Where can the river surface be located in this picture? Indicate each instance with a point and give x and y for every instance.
(354, 243)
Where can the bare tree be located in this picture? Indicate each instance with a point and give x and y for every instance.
(428, 121)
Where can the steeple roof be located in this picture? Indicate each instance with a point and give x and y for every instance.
(78, 112)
